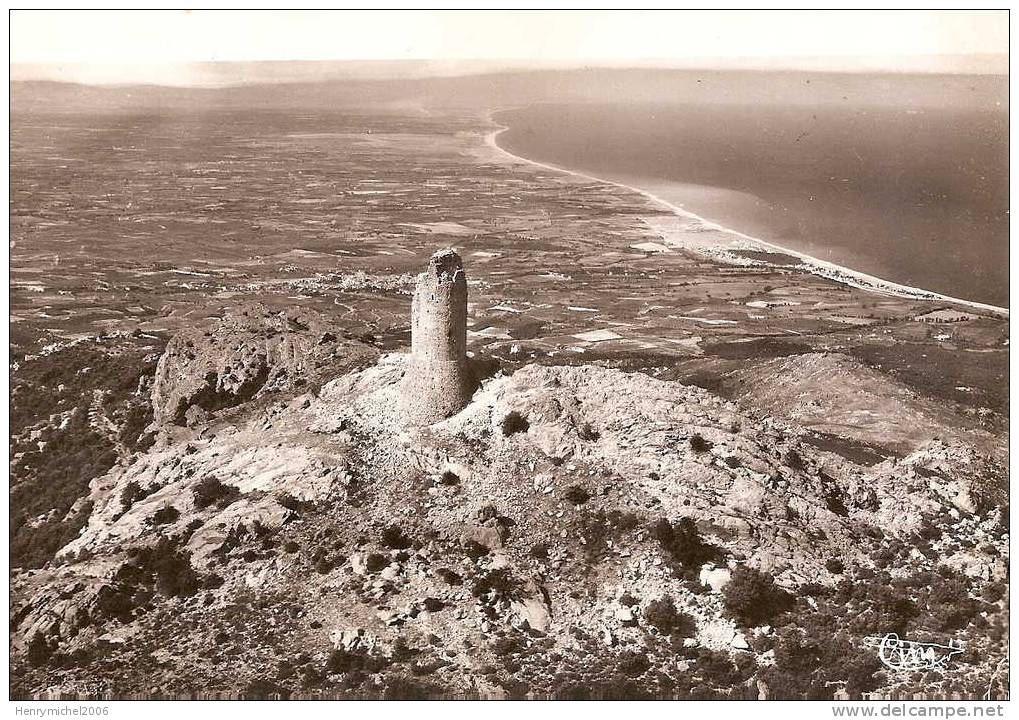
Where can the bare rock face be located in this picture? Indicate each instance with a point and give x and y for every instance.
(438, 383)
(250, 351)
(296, 501)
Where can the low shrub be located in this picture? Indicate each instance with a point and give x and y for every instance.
(752, 598)
(634, 664)
(165, 516)
(433, 605)
(394, 537)
(577, 495)
(39, 650)
(513, 423)
(663, 615)
(211, 491)
(539, 551)
(506, 645)
(684, 546)
(131, 494)
(263, 689)
(290, 502)
(345, 661)
(474, 550)
(449, 577)
(699, 445)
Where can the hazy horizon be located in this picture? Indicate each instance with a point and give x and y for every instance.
(221, 48)
(234, 73)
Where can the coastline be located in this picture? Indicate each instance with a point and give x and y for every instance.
(822, 268)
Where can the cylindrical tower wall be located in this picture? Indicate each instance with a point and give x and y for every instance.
(437, 383)
(439, 317)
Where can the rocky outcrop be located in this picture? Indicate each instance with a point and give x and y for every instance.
(249, 352)
(328, 526)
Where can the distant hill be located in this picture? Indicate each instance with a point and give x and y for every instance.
(482, 91)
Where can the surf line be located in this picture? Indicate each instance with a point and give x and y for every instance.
(821, 268)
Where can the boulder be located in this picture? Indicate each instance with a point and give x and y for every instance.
(490, 534)
(534, 608)
(715, 578)
(625, 616)
(739, 642)
(353, 639)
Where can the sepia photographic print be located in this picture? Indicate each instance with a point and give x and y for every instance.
(509, 354)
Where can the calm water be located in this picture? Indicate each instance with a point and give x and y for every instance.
(919, 197)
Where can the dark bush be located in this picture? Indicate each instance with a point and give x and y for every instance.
(115, 602)
(174, 575)
(433, 604)
(449, 577)
(375, 562)
(793, 460)
(165, 516)
(290, 502)
(291, 546)
(394, 537)
(513, 423)
(163, 565)
(623, 521)
(752, 598)
(835, 566)
(663, 615)
(507, 645)
(699, 445)
(131, 494)
(345, 661)
(39, 650)
(474, 550)
(211, 491)
(949, 604)
(50, 482)
(684, 546)
(539, 551)
(449, 477)
(929, 531)
(404, 688)
(633, 664)
(577, 495)
(804, 666)
(588, 433)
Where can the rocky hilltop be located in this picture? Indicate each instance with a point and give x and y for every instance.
(574, 531)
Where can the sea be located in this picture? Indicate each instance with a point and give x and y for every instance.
(915, 195)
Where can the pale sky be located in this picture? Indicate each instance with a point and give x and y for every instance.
(130, 46)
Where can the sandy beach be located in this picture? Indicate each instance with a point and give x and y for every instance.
(683, 235)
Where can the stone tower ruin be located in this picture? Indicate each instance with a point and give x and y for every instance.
(437, 383)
